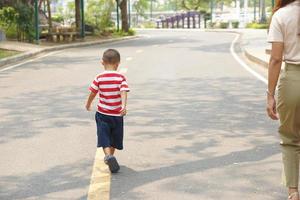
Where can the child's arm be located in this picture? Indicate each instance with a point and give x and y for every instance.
(124, 102)
(90, 100)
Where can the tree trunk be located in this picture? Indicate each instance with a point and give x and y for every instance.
(263, 12)
(124, 16)
(49, 18)
(77, 15)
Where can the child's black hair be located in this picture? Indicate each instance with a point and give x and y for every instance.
(111, 56)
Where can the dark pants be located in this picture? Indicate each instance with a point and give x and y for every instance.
(109, 131)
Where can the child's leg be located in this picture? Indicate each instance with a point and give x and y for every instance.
(110, 160)
(112, 150)
(107, 151)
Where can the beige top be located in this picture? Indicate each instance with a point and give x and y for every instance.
(285, 27)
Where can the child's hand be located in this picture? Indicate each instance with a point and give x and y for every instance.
(123, 111)
(88, 107)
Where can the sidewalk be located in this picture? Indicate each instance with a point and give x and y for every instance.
(29, 50)
(255, 45)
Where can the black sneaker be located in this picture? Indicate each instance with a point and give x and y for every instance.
(112, 163)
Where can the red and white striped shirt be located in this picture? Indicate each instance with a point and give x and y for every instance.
(109, 85)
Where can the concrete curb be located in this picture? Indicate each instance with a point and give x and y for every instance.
(26, 55)
(248, 55)
(255, 59)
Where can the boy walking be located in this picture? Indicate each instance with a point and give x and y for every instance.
(112, 89)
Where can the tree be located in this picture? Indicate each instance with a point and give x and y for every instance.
(98, 14)
(49, 16)
(191, 4)
(18, 19)
(187, 4)
(124, 15)
(262, 5)
(77, 14)
(140, 7)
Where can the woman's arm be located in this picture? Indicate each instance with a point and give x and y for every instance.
(273, 74)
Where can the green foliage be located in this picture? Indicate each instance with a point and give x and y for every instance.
(69, 13)
(235, 24)
(58, 18)
(257, 26)
(148, 24)
(12, 33)
(8, 17)
(98, 14)
(141, 6)
(18, 21)
(6, 53)
(25, 22)
(224, 25)
(121, 33)
(194, 4)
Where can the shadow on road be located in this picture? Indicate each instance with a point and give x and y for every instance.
(216, 123)
(31, 114)
(55, 182)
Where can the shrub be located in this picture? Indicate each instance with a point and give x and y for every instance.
(224, 25)
(212, 24)
(24, 21)
(98, 14)
(149, 24)
(121, 33)
(18, 21)
(58, 18)
(11, 33)
(257, 26)
(235, 24)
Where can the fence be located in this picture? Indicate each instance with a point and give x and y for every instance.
(184, 20)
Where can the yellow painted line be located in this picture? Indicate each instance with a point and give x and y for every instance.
(100, 180)
(101, 177)
(128, 58)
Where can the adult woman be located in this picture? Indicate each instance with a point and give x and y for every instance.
(284, 34)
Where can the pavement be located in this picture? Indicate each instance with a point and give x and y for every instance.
(196, 127)
(255, 46)
(33, 50)
(253, 43)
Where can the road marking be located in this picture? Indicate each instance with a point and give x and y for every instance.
(129, 58)
(156, 45)
(123, 70)
(28, 61)
(139, 51)
(242, 63)
(100, 179)
(100, 183)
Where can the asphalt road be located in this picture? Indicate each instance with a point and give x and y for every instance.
(196, 127)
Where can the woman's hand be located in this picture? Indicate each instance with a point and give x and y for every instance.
(271, 107)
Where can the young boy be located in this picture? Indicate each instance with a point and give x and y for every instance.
(112, 89)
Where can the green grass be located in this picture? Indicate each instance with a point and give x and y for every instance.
(257, 26)
(6, 53)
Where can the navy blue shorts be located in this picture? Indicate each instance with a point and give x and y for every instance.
(109, 131)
